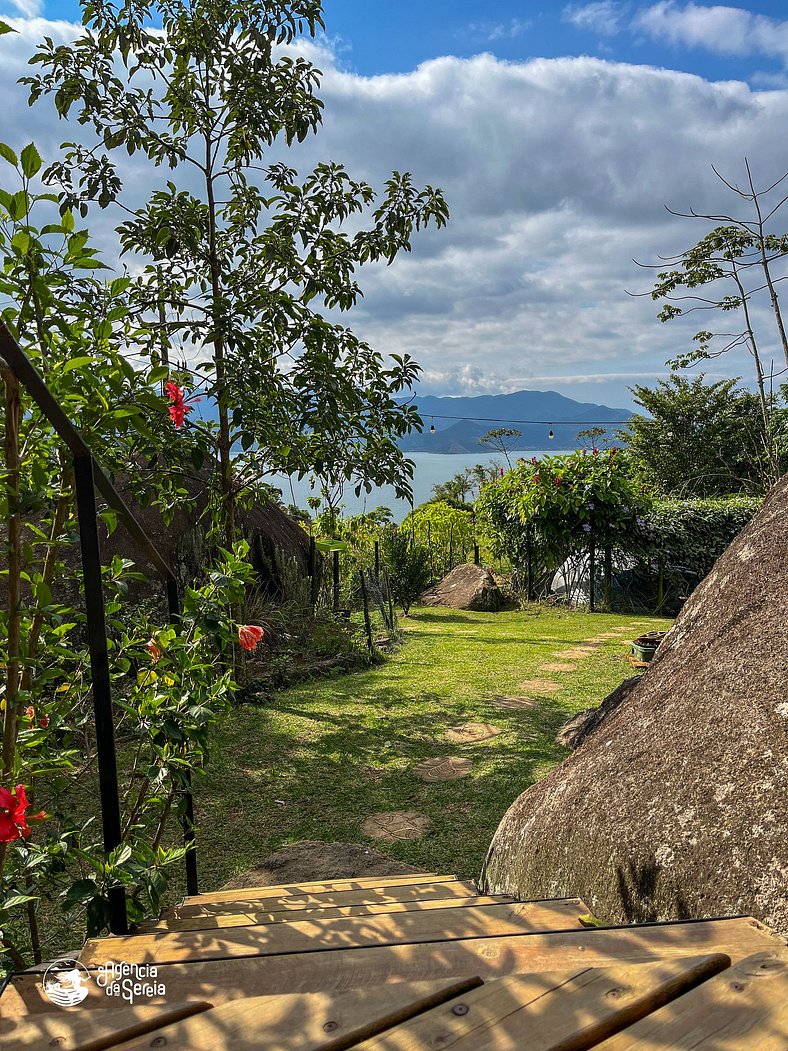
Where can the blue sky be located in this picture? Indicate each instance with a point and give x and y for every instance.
(395, 36)
(559, 133)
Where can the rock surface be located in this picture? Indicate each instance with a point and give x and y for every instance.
(580, 726)
(466, 587)
(309, 861)
(677, 805)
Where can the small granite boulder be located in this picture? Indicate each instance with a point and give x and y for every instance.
(466, 587)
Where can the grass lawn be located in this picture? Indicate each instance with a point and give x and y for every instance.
(321, 757)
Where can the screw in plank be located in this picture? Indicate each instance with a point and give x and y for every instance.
(460, 1009)
(58, 1041)
(160, 1041)
(329, 1027)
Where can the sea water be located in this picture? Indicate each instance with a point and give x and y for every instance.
(429, 469)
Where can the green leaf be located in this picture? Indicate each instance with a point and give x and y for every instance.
(67, 219)
(8, 154)
(21, 241)
(75, 363)
(31, 160)
(5, 28)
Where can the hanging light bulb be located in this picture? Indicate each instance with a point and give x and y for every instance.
(550, 434)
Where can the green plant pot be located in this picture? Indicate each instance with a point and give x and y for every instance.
(643, 653)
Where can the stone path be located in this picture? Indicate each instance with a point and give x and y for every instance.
(470, 733)
(397, 825)
(394, 826)
(442, 768)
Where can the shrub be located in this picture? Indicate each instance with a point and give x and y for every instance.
(409, 568)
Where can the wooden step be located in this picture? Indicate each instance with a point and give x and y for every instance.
(744, 1007)
(423, 891)
(319, 935)
(246, 919)
(316, 887)
(546, 1012)
(305, 1023)
(219, 981)
(68, 1030)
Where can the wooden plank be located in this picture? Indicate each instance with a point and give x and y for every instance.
(745, 1007)
(317, 887)
(221, 980)
(327, 899)
(247, 919)
(310, 1022)
(73, 1030)
(549, 1012)
(319, 935)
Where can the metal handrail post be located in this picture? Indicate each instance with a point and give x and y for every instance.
(187, 819)
(85, 485)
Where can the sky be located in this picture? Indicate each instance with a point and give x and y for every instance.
(559, 133)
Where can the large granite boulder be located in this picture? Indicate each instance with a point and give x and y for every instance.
(676, 805)
(466, 587)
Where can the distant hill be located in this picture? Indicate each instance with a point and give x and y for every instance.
(480, 414)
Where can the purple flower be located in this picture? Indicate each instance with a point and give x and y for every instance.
(590, 507)
(586, 527)
(640, 522)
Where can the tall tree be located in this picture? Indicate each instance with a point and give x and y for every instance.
(244, 258)
(732, 269)
(700, 439)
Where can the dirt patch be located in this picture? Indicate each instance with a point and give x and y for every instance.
(442, 768)
(470, 733)
(309, 860)
(558, 666)
(575, 654)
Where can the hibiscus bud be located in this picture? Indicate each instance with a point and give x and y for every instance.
(44, 722)
(153, 649)
(30, 712)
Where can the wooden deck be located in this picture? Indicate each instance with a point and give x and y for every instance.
(414, 963)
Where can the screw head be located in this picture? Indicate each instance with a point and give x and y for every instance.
(330, 1026)
(159, 1041)
(460, 1009)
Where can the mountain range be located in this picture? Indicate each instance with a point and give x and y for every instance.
(459, 422)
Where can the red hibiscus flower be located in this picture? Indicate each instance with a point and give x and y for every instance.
(13, 807)
(558, 481)
(178, 406)
(249, 635)
(30, 712)
(44, 722)
(537, 477)
(153, 650)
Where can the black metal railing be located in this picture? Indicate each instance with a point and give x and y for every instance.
(89, 478)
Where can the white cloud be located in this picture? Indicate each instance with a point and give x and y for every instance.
(556, 173)
(490, 31)
(603, 16)
(719, 28)
(26, 8)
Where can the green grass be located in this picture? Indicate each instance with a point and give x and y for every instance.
(321, 757)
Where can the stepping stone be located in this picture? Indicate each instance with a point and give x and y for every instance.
(514, 703)
(442, 768)
(558, 666)
(393, 826)
(470, 733)
(541, 686)
(575, 654)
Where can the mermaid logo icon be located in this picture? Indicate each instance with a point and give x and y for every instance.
(66, 983)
